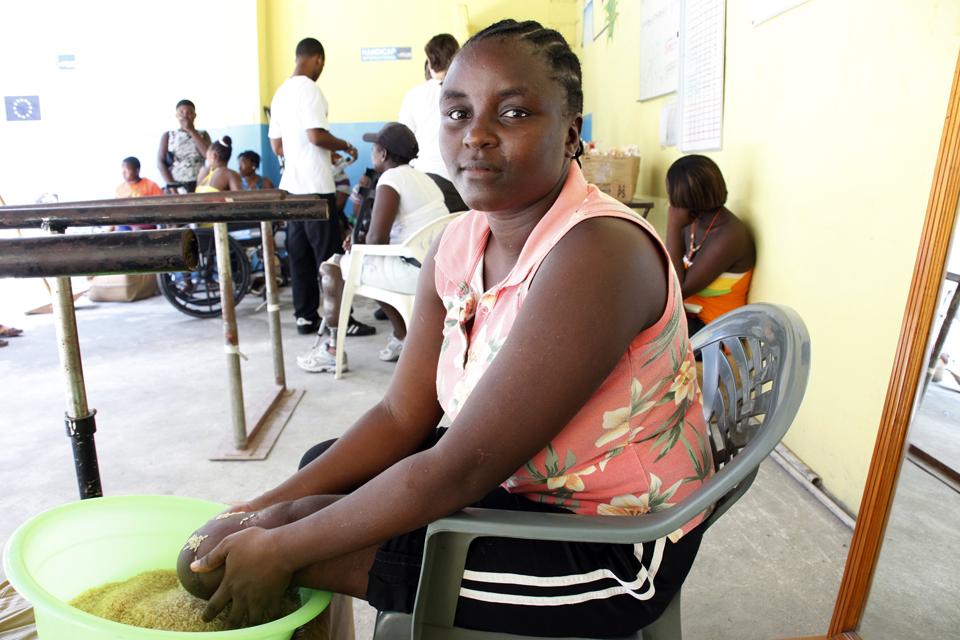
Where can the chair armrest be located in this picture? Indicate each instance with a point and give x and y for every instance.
(359, 250)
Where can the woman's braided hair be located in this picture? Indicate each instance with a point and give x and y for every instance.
(564, 63)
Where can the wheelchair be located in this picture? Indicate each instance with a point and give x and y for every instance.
(197, 293)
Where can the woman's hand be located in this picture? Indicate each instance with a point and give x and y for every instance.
(186, 124)
(679, 217)
(254, 580)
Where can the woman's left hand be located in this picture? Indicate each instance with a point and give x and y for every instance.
(254, 580)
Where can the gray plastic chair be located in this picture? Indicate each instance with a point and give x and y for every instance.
(756, 360)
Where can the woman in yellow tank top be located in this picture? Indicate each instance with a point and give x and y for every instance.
(217, 177)
(711, 248)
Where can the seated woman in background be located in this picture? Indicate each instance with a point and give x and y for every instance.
(217, 177)
(248, 162)
(406, 200)
(711, 249)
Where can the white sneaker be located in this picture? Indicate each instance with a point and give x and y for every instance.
(321, 360)
(391, 353)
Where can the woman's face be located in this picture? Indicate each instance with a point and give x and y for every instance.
(246, 167)
(505, 134)
(211, 156)
(378, 157)
(186, 112)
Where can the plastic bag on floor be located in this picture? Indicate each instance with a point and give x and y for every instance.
(16, 615)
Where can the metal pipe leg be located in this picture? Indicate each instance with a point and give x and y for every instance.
(80, 421)
(231, 339)
(273, 301)
(81, 432)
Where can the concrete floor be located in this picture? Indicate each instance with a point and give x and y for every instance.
(769, 569)
(917, 583)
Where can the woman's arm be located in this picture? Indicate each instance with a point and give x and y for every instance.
(385, 208)
(571, 334)
(398, 424)
(267, 183)
(677, 222)
(201, 140)
(162, 159)
(234, 180)
(724, 247)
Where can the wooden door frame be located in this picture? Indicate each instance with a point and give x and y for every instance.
(908, 367)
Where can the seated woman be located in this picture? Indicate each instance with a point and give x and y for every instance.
(406, 200)
(568, 380)
(248, 162)
(216, 176)
(710, 248)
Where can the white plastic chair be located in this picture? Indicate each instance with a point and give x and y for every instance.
(415, 247)
(756, 361)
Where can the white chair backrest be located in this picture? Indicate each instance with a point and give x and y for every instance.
(419, 243)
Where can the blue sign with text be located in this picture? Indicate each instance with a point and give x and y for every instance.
(22, 107)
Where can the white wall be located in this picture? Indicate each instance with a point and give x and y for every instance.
(134, 61)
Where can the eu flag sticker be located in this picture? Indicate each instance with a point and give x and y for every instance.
(22, 107)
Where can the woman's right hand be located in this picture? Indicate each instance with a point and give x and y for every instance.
(679, 217)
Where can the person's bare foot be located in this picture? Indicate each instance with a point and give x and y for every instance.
(9, 332)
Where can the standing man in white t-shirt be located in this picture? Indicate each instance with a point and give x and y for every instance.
(420, 111)
(299, 132)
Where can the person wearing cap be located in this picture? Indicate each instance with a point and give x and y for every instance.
(299, 131)
(420, 111)
(406, 200)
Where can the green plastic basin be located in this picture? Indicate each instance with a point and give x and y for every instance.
(64, 551)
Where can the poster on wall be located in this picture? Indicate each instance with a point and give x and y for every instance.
(21, 108)
(763, 10)
(701, 75)
(587, 24)
(659, 47)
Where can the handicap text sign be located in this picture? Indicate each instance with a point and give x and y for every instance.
(383, 54)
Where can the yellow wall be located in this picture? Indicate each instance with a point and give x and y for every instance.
(372, 91)
(832, 120)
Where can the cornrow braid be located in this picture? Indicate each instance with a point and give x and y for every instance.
(564, 63)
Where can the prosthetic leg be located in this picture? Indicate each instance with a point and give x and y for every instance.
(322, 357)
(331, 282)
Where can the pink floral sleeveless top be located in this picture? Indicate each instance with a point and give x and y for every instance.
(640, 443)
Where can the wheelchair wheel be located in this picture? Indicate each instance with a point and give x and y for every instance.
(198, 293)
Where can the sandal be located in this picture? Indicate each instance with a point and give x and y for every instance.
(9, 332)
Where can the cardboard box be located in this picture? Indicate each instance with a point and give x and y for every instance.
(614, 175)
(123, 288)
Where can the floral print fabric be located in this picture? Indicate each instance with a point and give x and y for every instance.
(640, 443)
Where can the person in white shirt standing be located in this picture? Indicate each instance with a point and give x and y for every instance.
(420, 111)
(299, 131)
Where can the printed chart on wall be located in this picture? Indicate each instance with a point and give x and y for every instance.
(659, 47)
(701, 75)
